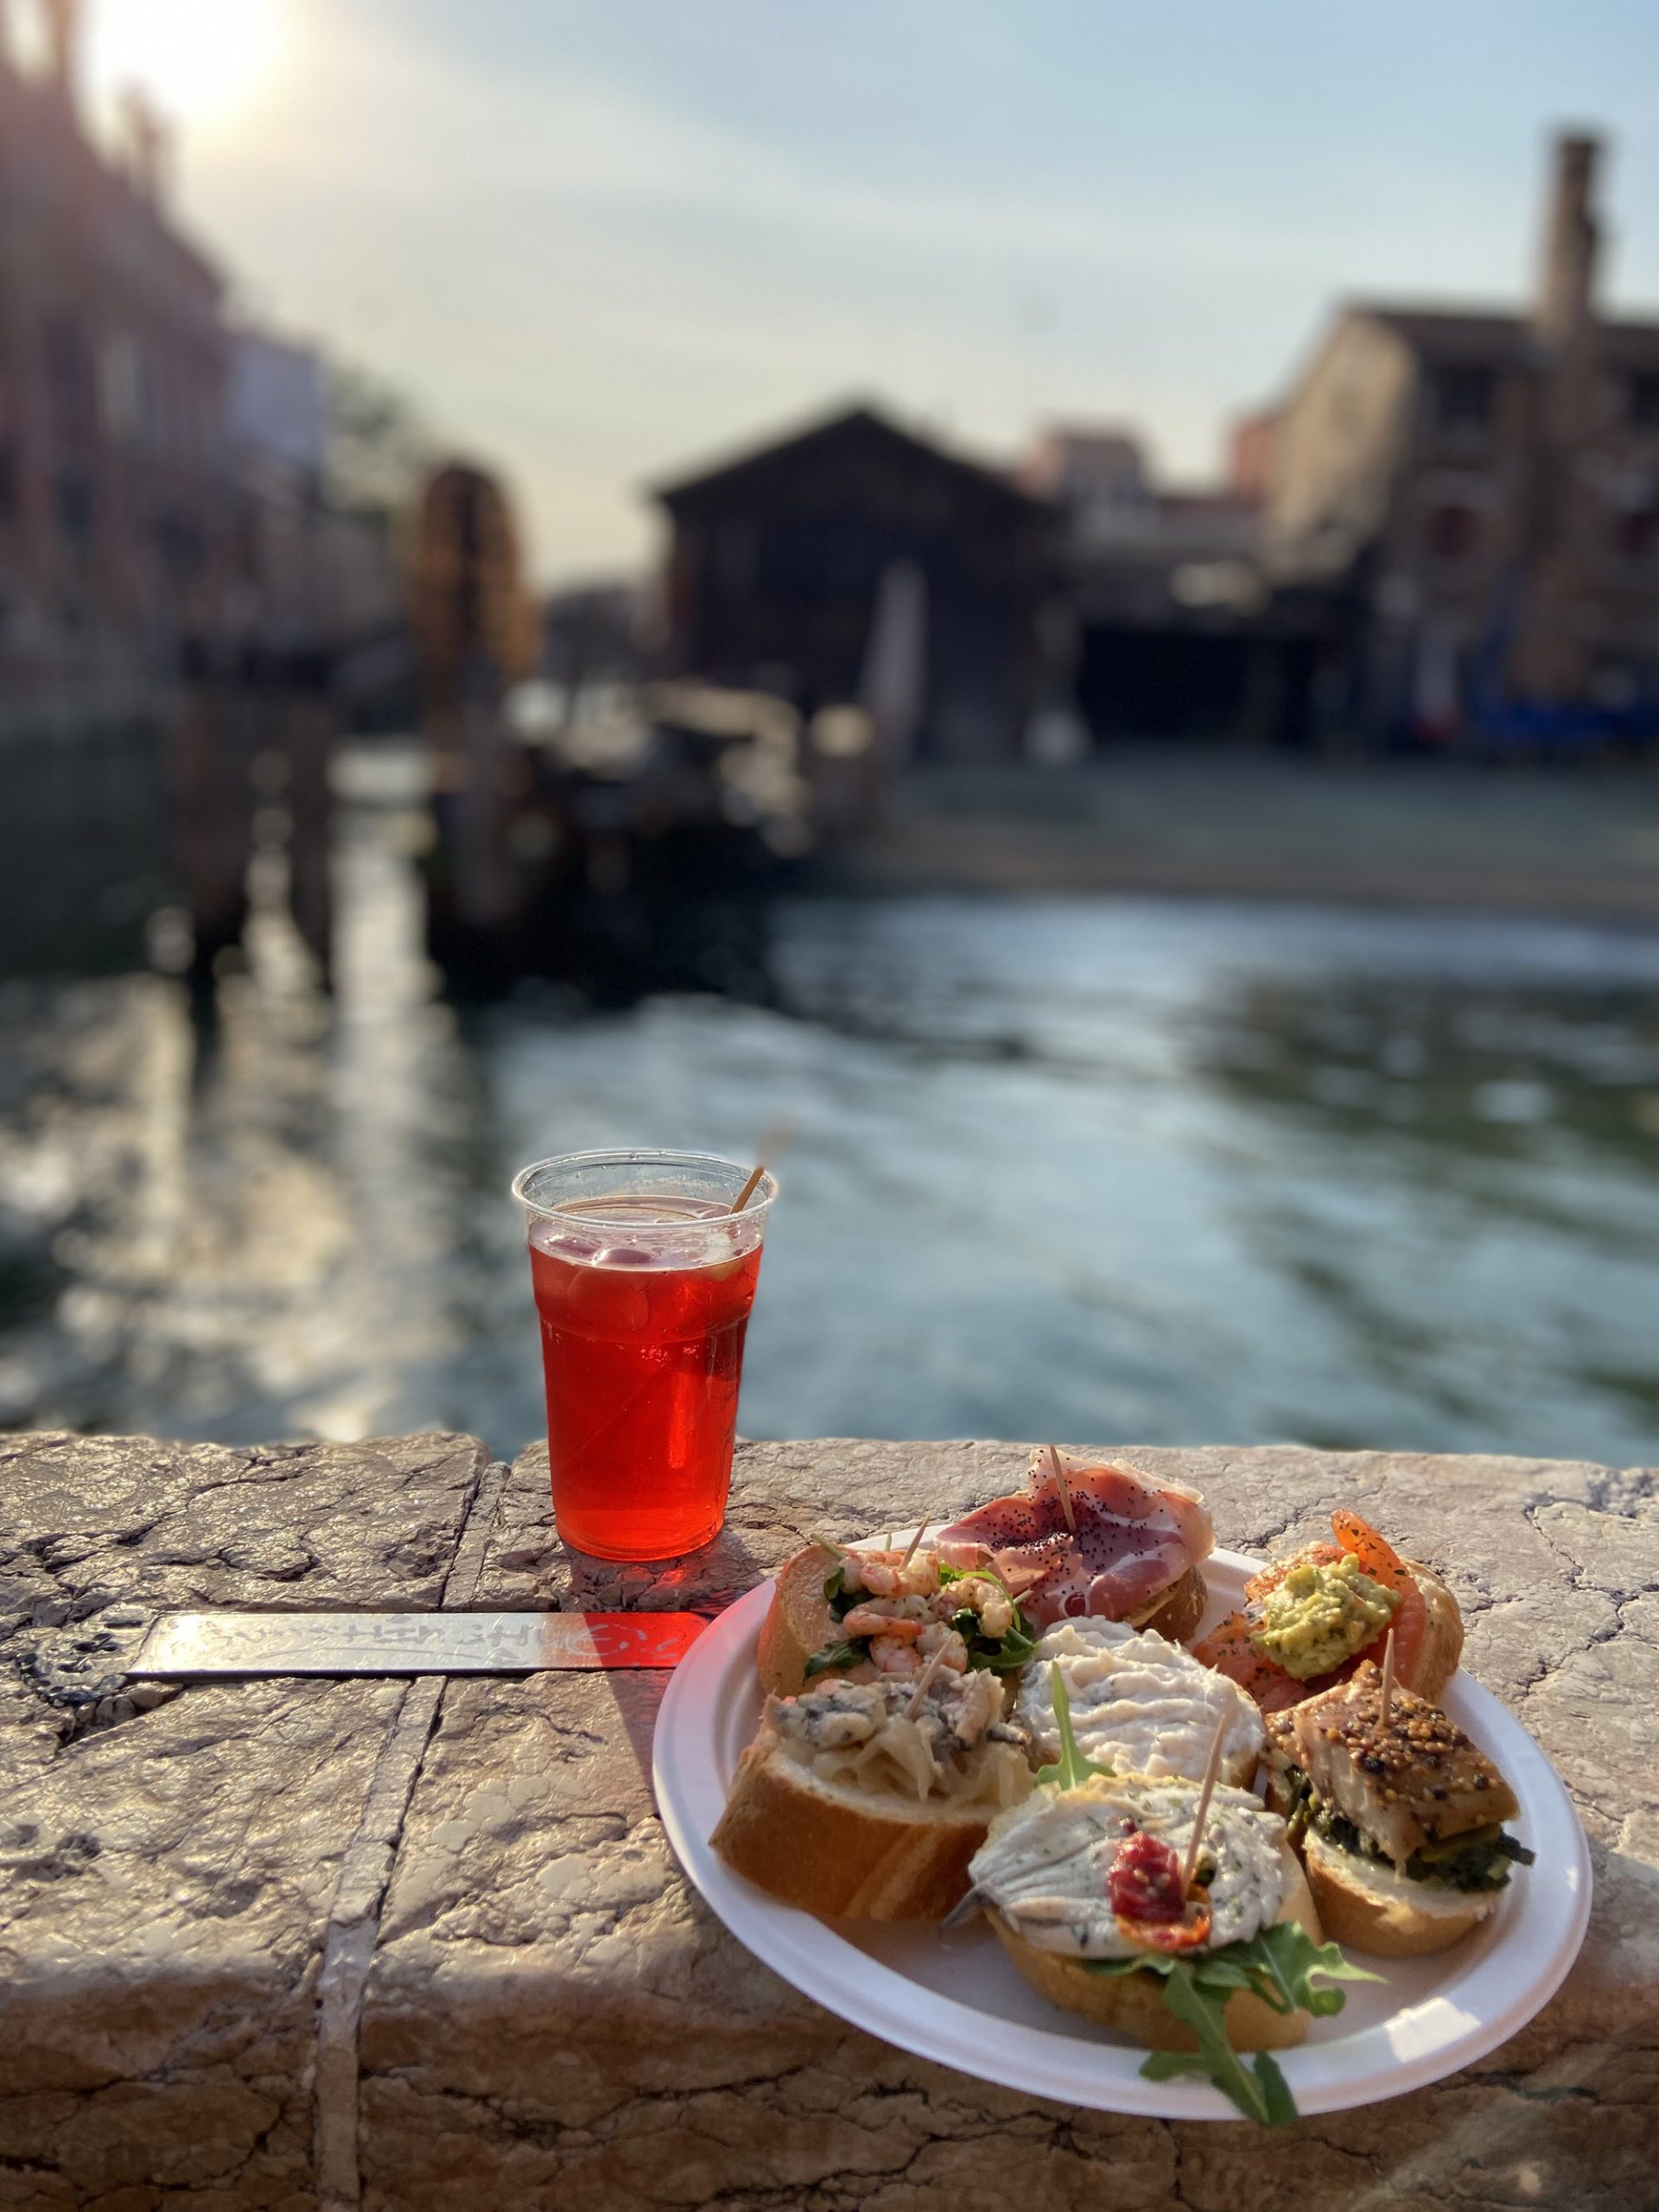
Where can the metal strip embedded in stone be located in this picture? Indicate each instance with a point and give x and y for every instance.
(194, 1647)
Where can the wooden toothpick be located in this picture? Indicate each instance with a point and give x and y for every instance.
(1063, 1487)
(1387, 1698)
(910, 1548)
(1207, 1791)
(924, 1680)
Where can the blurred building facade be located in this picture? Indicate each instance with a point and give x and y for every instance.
(1155, 613)
(113, 368)
(165, 471)
(187, 604)
(1482, 490)
(980, 615)
(305, 566)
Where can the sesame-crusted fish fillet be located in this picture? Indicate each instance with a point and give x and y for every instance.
(1418, 1780)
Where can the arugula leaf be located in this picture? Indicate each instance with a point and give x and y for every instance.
(1283, 1960)
(1072, 1769)
(832, 1656)
(1001, 1655)
(1277, 1965)
(842, 1600)
(1014, 1648)
(1266, 2098)
(1215, 2058)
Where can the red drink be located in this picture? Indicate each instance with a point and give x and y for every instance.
(643, 1299)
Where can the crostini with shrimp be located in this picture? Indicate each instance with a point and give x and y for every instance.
(859, 1616)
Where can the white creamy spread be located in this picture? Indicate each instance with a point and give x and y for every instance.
(1139, 1702)
(1044, 1866)
(954, 1744)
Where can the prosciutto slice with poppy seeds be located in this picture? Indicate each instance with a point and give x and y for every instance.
(1130, 1539)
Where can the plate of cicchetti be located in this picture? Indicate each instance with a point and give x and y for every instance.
(1063, 1797)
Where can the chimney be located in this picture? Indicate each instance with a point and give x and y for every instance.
(63, 44)
(148, 145)
(1565, 302)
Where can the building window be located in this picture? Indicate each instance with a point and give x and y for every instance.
(69, 373)
(179, 542)
(1452, 531)
(122, 386)
(1645, 400)
(1464, 398)
(75, 509)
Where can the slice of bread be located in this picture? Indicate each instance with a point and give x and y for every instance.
(799, 1621)
(869, 1799)
(1436, 1658)
(841, 1852)
(1133, 2003)
(1176, 1612)
(1369, 1905)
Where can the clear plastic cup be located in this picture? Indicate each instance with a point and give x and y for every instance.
(643, 1279)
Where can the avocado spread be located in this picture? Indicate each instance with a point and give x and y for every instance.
(1322, 1614)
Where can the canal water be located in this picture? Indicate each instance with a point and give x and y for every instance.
(1091, 1169)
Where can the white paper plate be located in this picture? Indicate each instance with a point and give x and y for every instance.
(958, 1998)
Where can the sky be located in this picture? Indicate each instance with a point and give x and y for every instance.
(601, 242)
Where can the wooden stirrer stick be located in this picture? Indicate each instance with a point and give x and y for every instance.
(1207, 1791)
(910, 1548)
(749, 1188)
(1063, 1487)
(1386, 1699)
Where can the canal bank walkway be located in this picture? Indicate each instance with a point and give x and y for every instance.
(308, 1943)
(1579, 841)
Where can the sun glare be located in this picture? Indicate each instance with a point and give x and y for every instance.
(202, 60)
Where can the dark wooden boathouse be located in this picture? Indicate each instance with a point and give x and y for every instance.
(812, 567)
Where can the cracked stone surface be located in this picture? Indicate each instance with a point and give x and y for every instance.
(548, 2016)
(164, 1890)
(167, 1874)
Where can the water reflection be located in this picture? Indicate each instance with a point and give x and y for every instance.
(1097, 1169)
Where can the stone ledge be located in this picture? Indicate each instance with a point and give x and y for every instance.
(548, 2016)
